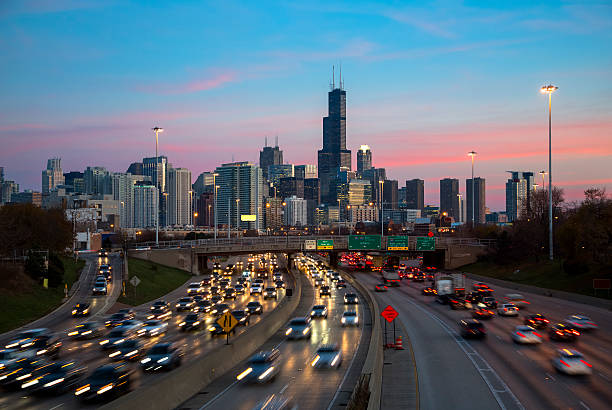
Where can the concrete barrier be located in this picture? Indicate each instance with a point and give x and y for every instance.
(373, 364)
(173, 388)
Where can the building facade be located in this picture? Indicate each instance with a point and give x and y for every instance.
(53, 176)
(269, 156)
(364, 159)
(295, 212)
(479, 201)
(240, 193)
(415, 194)
(146, 196)
(305, 171)
(518, 193)
(449, 198)
(180, 197)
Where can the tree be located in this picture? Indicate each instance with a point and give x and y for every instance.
(55, 273)
(35, 264)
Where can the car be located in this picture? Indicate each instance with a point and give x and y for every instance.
(36, 342)
(8, 357)
(472, 328)
(349, 318)
(490, 302)
(152, 328)
(239, 289)
(130, 349)
(581, 322)
(219, 309)
(256, 289)
(132, 324)
(482, 312)
(340, 284)
(207, 281)
(319, 311)
(571, 362)
(298, 328)
(160, 303)
(261, 367)
(279, 284)
(242, 316)
(159, 313)
(216, 330)
(13, 376)
(262, 273)
(197, 298)
(429, 291)
(324, 291)
(87, 330)
(215, 299)
(319, 282)
(80, 309)
(53, 378)
(100, 288)
(335, 277)
(277, 276)
(351, 299)
(214, 290)
(194, 288)
(455, 302)
(204, 306)
(328, 356)
(185, 304)
(536, 321)
(162, 356)
(524, 334)
(563, 332)
(229, 293)
(116, 336)
(516, 299)
(508, 309)
(254, 308)
(224, 284)
(115, 319)
(106, 382)
(192, 321)
(269, 293)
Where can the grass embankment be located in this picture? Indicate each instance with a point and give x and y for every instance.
(544, 274)
(23, 300)
(155, 281)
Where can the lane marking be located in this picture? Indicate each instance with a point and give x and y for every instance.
(550, 376)
(603, 375)
(284, 388)
(584, 405)
(207, 404)
(57, 407)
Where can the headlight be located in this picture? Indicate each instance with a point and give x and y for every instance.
(105, 388)
(30, 383)
(343, 320)
(82, 390)
(117, 353)
(145, 360)
(305, 331)
(163, 359)
(315, 360)
(312, 313)
(74, 312)
(211, 328)
(244, 373)
(103, 342)
(333, 363)
(53, 383)
(266, 373)
(182, 324)
(288, 331)
(73, 333)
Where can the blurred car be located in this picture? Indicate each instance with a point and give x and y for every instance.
(116, 336)
(340, 284)
(132, 324)
(130, 349)
(324, 291)
(14, 375)
(242, 316)
(580, 322)
(508, 309)
(36, 342)
(256, 289)
(129, 313)
(53, 378)
(152, 328)
(219, 309)
(526, 335)
(563, 332)
(349, 318)
(516, 299)
(335, 277)
(162, 356)
(8, 357)
(214, 290)
(216, 330)
(472, 328)
(482, 312)
(319, 311)
(224, 284)
(194, 288)
(328, 356)
(160, 313)
(229, 293)
(537, 321)
(80, 309)
(115, 320)
(185, 304)
(192, 321)
(571, 362)
(105, 383)
(490, 302)
(269, 293)
(204, 306)
(254, 308)
(100, 288)
(429, 291)
(207, 281)
(279, 284)
(215, 299)
(298, 328)
(261, 367)
(277, 276)
(239, 289)
(160, 303)
(351, 299)
(455, 302)
(87, 330)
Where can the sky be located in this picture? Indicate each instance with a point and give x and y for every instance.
(426, 82)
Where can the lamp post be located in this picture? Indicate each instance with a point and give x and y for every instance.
(543, 174)
(549, 89)
(473, 155)
(157, 130)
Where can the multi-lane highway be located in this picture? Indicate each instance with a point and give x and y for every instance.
(495, 372)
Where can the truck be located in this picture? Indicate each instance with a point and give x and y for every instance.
(449, 285)
(391, 278)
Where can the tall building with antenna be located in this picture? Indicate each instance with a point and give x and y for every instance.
(270, 156)
(334, 156)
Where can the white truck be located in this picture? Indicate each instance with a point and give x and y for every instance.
(391, 278)
(449, 284)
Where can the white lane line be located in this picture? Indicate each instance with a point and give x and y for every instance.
(519, 352)
(550, 376)
(284, 388)
(604, 376)
(57, 407)
(208, 403)
(584, 405)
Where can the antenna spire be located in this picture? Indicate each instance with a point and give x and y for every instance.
(341, 76)
(266, 142)
(276, 141)
(333, 77)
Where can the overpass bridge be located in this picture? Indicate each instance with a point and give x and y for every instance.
(192, 255)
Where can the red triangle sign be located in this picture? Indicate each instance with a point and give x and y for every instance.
(389, 314)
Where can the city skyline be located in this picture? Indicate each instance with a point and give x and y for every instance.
(87, 108)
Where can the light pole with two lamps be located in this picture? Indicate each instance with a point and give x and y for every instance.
(549, 89)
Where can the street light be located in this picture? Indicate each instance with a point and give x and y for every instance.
(157, 130)
(543, 173)
(473, 155)
(549, 89)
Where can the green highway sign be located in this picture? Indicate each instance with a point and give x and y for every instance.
(324, 244)
(397, 243)
(426, 244)
(364, 242)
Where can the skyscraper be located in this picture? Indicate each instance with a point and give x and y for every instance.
(204, 183)
(305, 171)
(180, 197)
(242, 181)
(375, 175)
(359, 192)
(479, 200)
(415, 194)
(390, 194)
(291, 186)
(53, 175)
(270, 156)
(145, 197)
(364, 159)
(159, 172)
(135, 168)
(296, 211)
(334, 156)
(123, 193)
(278, 171)
(98, 181)
(518, 193)
(449, 198)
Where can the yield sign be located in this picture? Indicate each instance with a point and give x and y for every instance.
(389, 314)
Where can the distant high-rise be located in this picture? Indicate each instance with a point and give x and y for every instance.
(305, 171)
(415, 194)
(359, 192)
(53, 175)
(1, 175)
(180, 197)
(278, 171)
(291, 186)
(312, 194)
(449, 198)
(76, 180)
(390, 194)
(518, 193)
(135, 168)
(334, 156)
(269, 156)
(98, 181)
(296, 211)
(145, 197)
(204, 183)
(242, 181)
(364, 159)
(479, 200)
(157, 169)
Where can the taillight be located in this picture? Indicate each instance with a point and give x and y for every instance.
(587, 363)
(520, 334)
(537, 334)
(563, 361)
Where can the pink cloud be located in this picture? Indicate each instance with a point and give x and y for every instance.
(193, 86)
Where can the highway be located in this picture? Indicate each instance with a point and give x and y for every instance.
(298, 381)
(496, 372)
(89, 353)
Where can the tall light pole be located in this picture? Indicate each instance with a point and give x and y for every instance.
(473, 155)
(382, 209)
(157, 130)
(543, 173)
(549, 89)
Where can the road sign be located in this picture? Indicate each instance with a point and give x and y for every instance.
(389, 314)
(310, 245)
(248, 218)
(364, 242)
(397, 243)
(135, 281)
(227, 321)
(325, 244)
(430, 234)
(426, 244)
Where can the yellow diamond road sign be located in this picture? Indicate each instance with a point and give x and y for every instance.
(227, 321)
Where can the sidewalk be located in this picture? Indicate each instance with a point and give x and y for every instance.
(399, 374)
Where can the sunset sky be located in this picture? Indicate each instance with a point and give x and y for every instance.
(426, 83)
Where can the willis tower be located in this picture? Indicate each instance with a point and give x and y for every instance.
(334, 156)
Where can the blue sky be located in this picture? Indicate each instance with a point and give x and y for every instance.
(426, 83)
